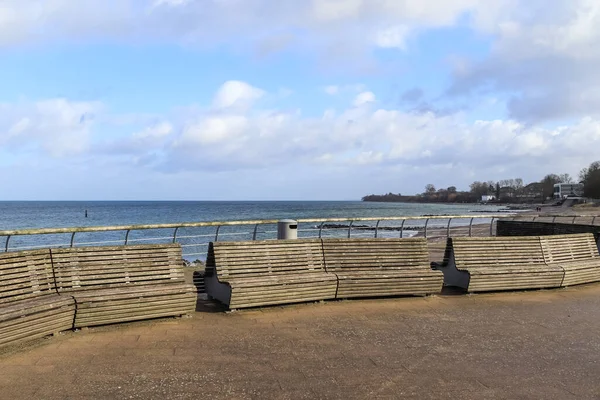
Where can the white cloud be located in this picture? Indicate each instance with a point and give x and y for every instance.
(155, 132)
(332, 90)
(324, 23)
(236, 94)
(364, 98)
(223, 130)
(544, 58)
(170, 3)
(58, 126)
(392, 37)
(358, 141)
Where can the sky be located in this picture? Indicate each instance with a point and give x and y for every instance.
(292, 99)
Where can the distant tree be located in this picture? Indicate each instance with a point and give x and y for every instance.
(498, 190)
(429, 189)
(479, 189)
(565, 178)
(442, 195)
(548, 183)
(452, 189)
(518, 184)
(590, 177)
(510, 183)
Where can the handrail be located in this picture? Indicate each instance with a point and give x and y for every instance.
(320, 225)
(79, 229)
(44, 231)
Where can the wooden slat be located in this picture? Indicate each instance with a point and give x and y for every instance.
(576, 254)
(499, 263)
(32, 318)
(381, 267)
(258, 273)
(86, 268)
(25, 275)
(124, 283)
(239, 259)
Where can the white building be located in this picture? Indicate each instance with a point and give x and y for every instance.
(562, 190)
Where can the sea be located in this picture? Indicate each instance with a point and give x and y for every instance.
(17, 215)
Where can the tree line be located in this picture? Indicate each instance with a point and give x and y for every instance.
(506, 190)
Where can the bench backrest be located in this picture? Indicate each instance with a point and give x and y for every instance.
(264, 257)
(561, 248)
(493, 252)
(81, 268)
(25, 274)
(358, 255)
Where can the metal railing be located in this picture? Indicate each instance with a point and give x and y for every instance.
(195, 236)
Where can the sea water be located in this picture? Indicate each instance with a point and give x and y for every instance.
(62, 214)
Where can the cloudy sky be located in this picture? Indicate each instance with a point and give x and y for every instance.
(292, 99)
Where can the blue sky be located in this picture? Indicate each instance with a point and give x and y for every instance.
(298, 99)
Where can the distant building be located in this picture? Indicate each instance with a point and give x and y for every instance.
(532, 191)
(506, 191)
(487, 197)
(563, 190)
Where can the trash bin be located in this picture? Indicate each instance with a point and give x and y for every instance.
(287, 229)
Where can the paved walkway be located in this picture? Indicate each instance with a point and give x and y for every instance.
(528, 345)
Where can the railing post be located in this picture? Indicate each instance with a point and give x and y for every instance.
(175, 235)
(255, 231)
(321, 229)
(127, 236)
(492, 226)
(594, 219)
(470, 226)
(553, 219)
(6, 244)
(217, 233)
(426, 222)
(533, 220)
(402, 228)
(573, 220)
(350, 228)
(448, 227)
(72, 238)
(377, 227)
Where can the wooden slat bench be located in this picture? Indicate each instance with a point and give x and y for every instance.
(123, 283)
(30, 307)
(498, 263)
(267, 272)
(577, 254)
(381, 267)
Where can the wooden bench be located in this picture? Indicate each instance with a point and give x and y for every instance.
(381, 267)
(576, 254)
(267, 272)
(498, 263)
(30, 307)
(123, 283)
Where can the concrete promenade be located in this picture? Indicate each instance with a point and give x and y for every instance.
(525, 345)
